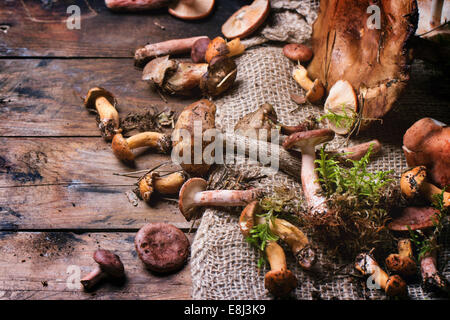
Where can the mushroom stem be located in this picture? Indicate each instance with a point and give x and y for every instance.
(166, 185)
(275, 255)
(429, 191)
(226, 198)
(94, 277)
(436, 12)
(431, 277)
(300, 75)
(107, 113)
(145, 139)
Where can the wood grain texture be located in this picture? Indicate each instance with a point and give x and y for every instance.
(39, 28)
(34, 265)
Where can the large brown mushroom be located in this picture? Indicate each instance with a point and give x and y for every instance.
(376, 62)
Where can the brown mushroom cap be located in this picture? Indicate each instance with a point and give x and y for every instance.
(417, 218)
(187, 193)
(156, 70)
(191, 9)
(264, 118)
(121, 149)
(395, 286)
(280, 282)
(162, 247)
(217, 47)
(412, 180)
(246, 20)
(247, 218)
(222, 72)
(109, 263)
(308, 138)
(298, 52)
(199, 49)
(402, 265)
(97, 92)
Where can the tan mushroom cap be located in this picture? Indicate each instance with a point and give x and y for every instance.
(395, 286)
(121, 148)
(187, 193)
(246, 20)
(308, 138)
(97, 92)
(191, 9)
(247, 218)
(109, 263)
(412, 180)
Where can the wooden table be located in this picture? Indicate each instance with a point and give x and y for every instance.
(59, 199)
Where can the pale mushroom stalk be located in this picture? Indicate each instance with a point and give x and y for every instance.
(314, 89)
(166, 185)
(431, 277)
(436, 12)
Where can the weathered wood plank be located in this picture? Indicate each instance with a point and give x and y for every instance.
(34, 265)
(43, 97)
(39, 28)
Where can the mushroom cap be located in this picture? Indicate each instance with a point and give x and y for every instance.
(191, 9)
(187, 193)
(246, 20)
(156, 70)
(265, 117)
(308, 138)
(280, 282)
(298, 52)
(109, 263)
(222, 72)
(217, 47)
(186, 78)
(417, 218)
(412, 180)
(146, 186)
(247, 218)
(395, 286)
(199, 49)
(121, 149)
(342, 101)
(97, 92)
(401, 264)
(162, 247)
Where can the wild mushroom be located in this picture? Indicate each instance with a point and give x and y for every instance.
(246, 20)
(198, 50)
(135, 5)
(109, 266)
(314, 89)
(122, 147)
(200, 112)
(402, 262)
(413, 182)
(298, 52)
(342, 105)
(290, 234)
(432, 279)
(104, 103)
(279, 281)
(221, 74)
(414, 218)
(220, 47)
(306, 142)
(169, 47)
(191, 9)
(193, 194)
(162, 247)
(167, 185)
(392, 285)
(374, 59)
(427, 143)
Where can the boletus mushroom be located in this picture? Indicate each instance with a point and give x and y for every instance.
(109, 266)
(374, 60)
(246, 20)
(191, 9)
(104, 103)
(162, 247)
(393, 285)
(402, 262)
(153, 183)
(122, 147)
(314, 89)
(427, 143)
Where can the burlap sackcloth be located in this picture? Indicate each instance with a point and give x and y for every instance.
(223, 264)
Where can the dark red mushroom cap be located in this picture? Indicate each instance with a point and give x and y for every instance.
(280, 282)
(417, 218)
(109, 263)
(308, 138)
(162, 247)
(187, 193)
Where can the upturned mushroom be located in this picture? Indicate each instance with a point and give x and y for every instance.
(220, 47)
(122, 147)
(246, 20)
(286, 231)
(109, 266)
(392, 285)
(306, 142)
(298, 52)
(314, 89)
(104, 103)
(191, 9)
(153, 183)
(413, 183)
(402, 262)
(427, 143)
(193, 195)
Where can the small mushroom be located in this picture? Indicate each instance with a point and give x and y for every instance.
(198, 50)
(314, 90)
(298, 52)
(220, 47)
(392, 285)
(427, 143)
(122, 147)
(191, 9)
(307, 141)
(279, 281)
(413, 182)
(221, 74)
(342, 101)
(162, 247)
(246, 20)
(109, 266)
(193, 195)
(167, 185)
(402, 262)
(104, 103)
